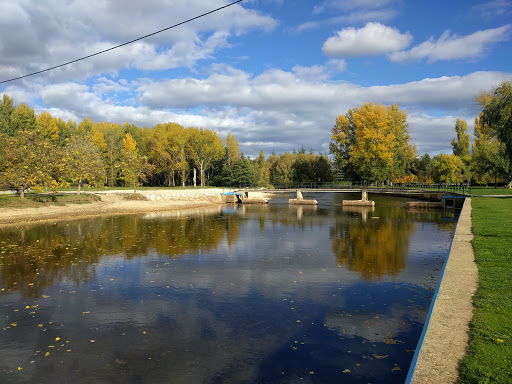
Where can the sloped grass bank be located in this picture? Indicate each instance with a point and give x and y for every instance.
(489, 356)
(35, 200)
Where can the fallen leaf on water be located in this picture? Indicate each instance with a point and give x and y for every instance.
(346, 371)
(380, 356)
(47, 354)
(57, 338)
(311, 372)
(19, 368)
(14, 324)
(396, 369)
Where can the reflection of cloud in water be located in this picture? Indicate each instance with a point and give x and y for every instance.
(373, 326)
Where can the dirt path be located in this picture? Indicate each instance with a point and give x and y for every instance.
(113, 202)
(447, 335)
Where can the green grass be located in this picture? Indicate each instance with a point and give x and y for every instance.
(35, 200)
(479, 191)
(489, 356)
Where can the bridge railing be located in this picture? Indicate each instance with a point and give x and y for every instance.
(462, 189)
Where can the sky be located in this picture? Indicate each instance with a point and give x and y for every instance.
(273, 73)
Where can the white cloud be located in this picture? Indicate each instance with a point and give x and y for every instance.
(276, 107)
(371, 40)
(52, 32)
(453, 47)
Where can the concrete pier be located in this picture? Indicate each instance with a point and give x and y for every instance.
(364, 202)
(300, 200)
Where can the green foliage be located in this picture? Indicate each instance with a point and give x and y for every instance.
(447, 169)
(6, 110)
(85, 166)
(299, 168)
(461, 143)
(489, 356)
(498, 115)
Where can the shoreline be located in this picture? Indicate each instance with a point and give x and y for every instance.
(447, 334)
(113, 203)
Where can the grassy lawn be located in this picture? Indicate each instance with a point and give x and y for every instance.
(489, 356)
(35, 200)
(479, 191)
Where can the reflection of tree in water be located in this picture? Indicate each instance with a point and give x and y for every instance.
(375, 247)
(33, 258)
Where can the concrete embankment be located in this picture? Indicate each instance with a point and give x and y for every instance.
(446, 333)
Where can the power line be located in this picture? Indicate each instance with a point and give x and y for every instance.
(122, 45)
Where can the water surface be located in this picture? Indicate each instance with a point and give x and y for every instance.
(235, 294)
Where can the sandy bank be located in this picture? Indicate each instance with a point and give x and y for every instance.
(114, 203)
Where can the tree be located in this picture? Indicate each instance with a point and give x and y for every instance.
(447, 169)
(262, 170)
(461, 143)
(497, 113)
(372, 143)
(84, 165)
(204, 147)
(31, 162)
(47, 126)
(488, 161)
(6, 110)
(168, 150)
(108, 138)
(232, 149)
(134, 168)
(461, 148)
(22, 119)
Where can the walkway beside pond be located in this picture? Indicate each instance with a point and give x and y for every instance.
(447, 335)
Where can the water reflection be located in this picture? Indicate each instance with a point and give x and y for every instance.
(376, 247)
(245, 294)
(34, 257)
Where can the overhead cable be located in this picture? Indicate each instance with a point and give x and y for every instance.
(122, 45)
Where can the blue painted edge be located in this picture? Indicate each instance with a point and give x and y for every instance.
(414, 362)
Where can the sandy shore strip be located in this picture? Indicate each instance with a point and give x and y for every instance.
(114, 203)
(447, 335)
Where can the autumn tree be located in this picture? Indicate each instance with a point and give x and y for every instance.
(85, 166)
(108, 137)
(372, 143)
(204, 147)
(232, 149)
(46, 125)
(168, 150)
(447, 169)
(134, 168)
(31, 162)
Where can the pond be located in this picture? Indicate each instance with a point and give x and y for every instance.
(232, 294)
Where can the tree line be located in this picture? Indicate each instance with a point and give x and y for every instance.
(370, 143)
(44, 152)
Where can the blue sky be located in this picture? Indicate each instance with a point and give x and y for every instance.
(274, 73)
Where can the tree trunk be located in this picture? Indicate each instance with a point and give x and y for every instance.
(202, 173)
(22, 193)
(195, 178)
(79, 184)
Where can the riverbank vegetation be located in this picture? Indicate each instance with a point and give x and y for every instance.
(369, 144)
(489, 355)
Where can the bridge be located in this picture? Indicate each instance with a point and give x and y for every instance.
(447, 195)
